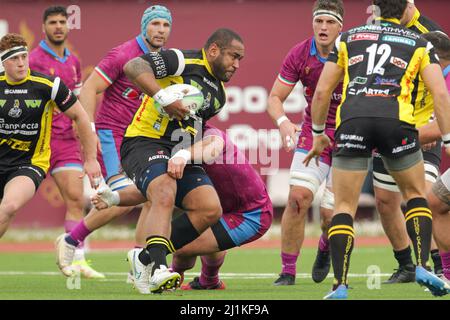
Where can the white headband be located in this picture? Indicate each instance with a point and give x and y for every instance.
(332, 14)
(411, 1)
(12, 52)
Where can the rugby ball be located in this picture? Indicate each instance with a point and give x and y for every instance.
(190, 96)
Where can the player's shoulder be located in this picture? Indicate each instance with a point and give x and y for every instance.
(190, 53)
(360, 32)
(124, 51)
(74, 58)
(36, 51)
(301, 48)
(41, 79)
(428, 24)
(131, 43)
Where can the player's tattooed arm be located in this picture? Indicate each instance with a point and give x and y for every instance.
(141, 74)
(135, 67)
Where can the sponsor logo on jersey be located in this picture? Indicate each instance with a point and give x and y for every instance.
(196, 84)
(207, 101)
(158, 123)
(217, 104)
(401, 40)
(67, 98)
(159, 69)
(130, 94)
(398, 62)
(349, 145)
(15, 111)
(386, 82)
(370, 92)
(357, 80)
(308, 91)
(356, 59)
(404, 146)
(158, 156)
(351, 137)
(363, 36)
(16, 144)
(210, 83)
(16, 91)
(33, 104)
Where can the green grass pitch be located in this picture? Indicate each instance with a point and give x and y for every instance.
(248, 274)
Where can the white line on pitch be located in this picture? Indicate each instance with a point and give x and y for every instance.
(223, 275)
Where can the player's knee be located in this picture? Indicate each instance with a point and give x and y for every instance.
(8, 209)
(74, 196)
(162, 198)
(300, 200)
(74, 201)
(212, 211)
(385, 204)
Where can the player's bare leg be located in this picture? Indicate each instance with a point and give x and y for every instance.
(16, 194)
(71, 187)
(393, 221)
(293, 232)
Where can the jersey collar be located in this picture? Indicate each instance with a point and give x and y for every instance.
(446, 71)
(11, 83)
(313, 51)
(142, 45)
(49, 50)
(414, 19)
(391, 20)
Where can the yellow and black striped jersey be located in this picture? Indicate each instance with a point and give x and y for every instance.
(26, 112)
(172, 67)
(421, 96)
(381, 63)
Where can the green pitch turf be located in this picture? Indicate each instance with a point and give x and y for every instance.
(248, 274)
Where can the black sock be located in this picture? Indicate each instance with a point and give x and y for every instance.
(437, 262)
(403, 257)
(144, 258)
(183, 232)
(157, 249)
(341, 237)
(418, 223)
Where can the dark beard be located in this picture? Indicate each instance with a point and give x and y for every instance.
(56, 42)
(218, 72)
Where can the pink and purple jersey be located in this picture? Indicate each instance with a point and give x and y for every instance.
(43, 59)
(122, 98)
(304, 64)
(447, 77)
(237, 183)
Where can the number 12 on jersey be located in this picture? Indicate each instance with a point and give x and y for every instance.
(385, 51)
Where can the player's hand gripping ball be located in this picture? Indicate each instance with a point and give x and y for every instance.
(191, 97)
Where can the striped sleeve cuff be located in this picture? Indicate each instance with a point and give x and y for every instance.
(103, 75)
(286, 82)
